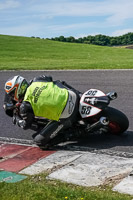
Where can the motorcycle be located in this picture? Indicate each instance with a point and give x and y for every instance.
(95, 115)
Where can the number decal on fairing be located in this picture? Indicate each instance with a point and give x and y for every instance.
(91, 92)
(88, 105)
(86, 110)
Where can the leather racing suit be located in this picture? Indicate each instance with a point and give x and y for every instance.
(53, 100)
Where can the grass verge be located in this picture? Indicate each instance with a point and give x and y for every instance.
(39, 188)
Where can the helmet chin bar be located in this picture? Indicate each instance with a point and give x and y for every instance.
(20, 98)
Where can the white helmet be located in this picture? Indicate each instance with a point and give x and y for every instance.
(16, 87)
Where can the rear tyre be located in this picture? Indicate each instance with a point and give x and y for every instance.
(118, 122)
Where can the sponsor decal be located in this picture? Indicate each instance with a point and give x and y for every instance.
(71, 105)
(36, 93)
(56, 131)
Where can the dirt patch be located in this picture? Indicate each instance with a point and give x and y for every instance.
(129, 47)
(114, 180)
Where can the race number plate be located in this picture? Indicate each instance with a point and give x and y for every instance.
(87, 106)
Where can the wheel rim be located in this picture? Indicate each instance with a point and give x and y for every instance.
(114, 128)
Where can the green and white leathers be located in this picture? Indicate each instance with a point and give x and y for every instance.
(47, 99)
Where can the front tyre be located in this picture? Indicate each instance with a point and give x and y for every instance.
(118, 122)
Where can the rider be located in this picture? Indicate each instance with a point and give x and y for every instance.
(42, 97)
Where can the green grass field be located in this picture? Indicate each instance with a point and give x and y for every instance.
(32, 53)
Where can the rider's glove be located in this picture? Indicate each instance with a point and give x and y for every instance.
(14, 118)
(18, 121)
(21, 123)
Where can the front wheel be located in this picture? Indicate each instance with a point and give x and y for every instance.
(118, 122)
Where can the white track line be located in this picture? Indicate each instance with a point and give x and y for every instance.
(17, 141)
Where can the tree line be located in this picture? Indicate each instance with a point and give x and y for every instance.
(103, 40)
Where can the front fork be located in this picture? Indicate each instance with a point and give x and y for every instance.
(103, 122)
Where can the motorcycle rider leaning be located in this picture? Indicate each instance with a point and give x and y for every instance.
(42, 97)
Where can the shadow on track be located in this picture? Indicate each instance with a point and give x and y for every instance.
(122, 143)
(107, 140)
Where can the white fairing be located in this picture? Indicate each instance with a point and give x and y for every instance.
(87, 108)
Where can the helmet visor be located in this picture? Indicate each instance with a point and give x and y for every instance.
(22, 89)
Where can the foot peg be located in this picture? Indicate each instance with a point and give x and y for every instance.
(103, 121)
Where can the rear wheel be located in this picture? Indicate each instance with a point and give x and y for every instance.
(118, 122)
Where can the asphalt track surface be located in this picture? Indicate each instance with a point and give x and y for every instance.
(120, 81)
